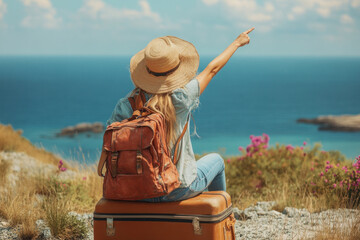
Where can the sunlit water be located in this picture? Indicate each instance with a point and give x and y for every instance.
(41, 95)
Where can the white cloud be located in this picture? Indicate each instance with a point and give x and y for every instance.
(2, 9)
(210, 2)
(291, 17)
(355, 3)
(323, 7)
(40, 3)
(324, 12)
(298, 10)
(272, 14)
(242, 5)
(249, 10)
(269, 7)
(146, 11)
(295, 12)
(97, 9)
(346, 19)
(92, 7)
(259, 17)
(40, 13)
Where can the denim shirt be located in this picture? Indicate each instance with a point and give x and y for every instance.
(184, 100)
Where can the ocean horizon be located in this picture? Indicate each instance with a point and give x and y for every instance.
(249, 96)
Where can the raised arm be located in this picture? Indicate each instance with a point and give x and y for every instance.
(217, 63)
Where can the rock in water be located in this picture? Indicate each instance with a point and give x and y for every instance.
(345, 123)
(70, 131)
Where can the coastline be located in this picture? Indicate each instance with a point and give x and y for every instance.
(38, 193)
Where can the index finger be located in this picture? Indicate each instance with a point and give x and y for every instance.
(249, 31)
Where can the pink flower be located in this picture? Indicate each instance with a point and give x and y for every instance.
(334, 185)
(241, 148)
(259, 172)
(313, 183)
(228, 161)
(329, 166)
(60, 164)
(289, 147)
(251, 136)
(256, 141)
(302, 148)
(84, 178)
(338, 164)
(326, 180)
(321, 174)
(323, 152)
(312, 169)
(260, 153)
(304, 143)
(248, 148)
(327, 162)
(265, 138)
(63, 169)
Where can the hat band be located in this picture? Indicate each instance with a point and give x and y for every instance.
(157, 74)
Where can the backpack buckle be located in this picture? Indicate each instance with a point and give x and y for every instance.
(139, 162)
(114, 157)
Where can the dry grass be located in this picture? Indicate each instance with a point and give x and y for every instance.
(4, 170)
(348, 231)
(18, 206)
(62, 225)
(23, 203)
(50, 198)
(12, 141)
(28, 229)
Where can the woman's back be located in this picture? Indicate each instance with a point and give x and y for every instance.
(184, 100)
(168, 65)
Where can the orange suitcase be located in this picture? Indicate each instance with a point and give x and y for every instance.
(208, 216)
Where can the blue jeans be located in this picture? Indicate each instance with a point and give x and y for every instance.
(210, 176)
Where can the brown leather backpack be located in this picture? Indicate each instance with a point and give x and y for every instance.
(137, 157)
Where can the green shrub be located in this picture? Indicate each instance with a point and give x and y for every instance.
(291, 176)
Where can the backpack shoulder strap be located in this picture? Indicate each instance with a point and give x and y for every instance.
(101, 163)
(132, 103)
(137, 102)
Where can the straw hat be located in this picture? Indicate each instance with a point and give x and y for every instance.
(166, 64)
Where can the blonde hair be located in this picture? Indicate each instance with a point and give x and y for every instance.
(162, 103)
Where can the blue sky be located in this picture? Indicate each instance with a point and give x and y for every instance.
(113, 27)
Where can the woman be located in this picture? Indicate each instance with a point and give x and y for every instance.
(165, 70)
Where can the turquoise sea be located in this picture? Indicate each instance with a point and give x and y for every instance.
(250, 96)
